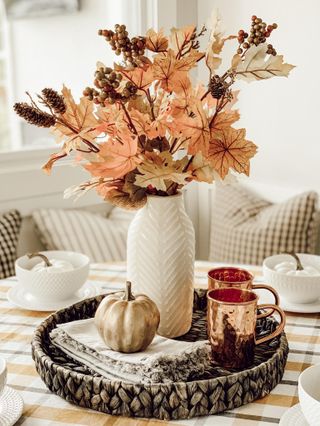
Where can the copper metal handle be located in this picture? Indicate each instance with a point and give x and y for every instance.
(275, 294)
(271, 289)
(280, 327)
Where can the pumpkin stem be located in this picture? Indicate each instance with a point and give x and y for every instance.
(127, 293)
(299, 264)
(43, 257)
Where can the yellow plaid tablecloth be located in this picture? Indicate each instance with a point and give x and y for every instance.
(42, 408)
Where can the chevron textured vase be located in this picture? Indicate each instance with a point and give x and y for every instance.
(160, 259)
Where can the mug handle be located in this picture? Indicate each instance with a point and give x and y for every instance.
(280, 327)
(269, 288)
(275, 294)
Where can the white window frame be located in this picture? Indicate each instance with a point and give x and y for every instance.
(14, 128)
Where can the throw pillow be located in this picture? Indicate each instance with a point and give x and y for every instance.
(10, 224)
(121, 215)
(246, 229)
(102, 239)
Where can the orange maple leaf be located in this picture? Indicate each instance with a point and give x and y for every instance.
(111, 120)
(118, 157)
(141, 77)
(78, 122)
(182, 104)
(230, 150)
(161, 103)
(225, 119)
(201, 169)
(105, 187)
(179, 106)
(156, 42)
(180, 38)
(144, 125)
(171, 71)
(182, 85)
(161, 169)
(194, 127)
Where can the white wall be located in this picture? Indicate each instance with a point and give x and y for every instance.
(281, 115)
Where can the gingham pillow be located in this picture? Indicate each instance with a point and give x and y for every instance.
(246, 229)
(10, 224)
(102, 239)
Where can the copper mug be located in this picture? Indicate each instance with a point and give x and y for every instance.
(228, 276)
(232, 316)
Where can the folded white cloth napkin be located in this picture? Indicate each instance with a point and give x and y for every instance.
(165, 360)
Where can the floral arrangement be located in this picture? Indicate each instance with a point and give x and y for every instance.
(144, 128)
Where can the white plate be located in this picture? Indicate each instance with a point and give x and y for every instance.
(293, 417)
(301, 308)
(19, 297)
(11, 406)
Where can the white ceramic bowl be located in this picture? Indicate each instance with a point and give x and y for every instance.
(295, 289)
(53, 286)
(309, 394)
(3, 374)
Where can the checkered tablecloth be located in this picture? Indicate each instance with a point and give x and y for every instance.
(42, 408)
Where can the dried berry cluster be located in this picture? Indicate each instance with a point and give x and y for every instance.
(107, 83)
(34, 115)
(131, 49)
(259, 32)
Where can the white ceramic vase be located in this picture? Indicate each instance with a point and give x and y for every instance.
(160, 261)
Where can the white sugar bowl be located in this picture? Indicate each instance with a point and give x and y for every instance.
(294, 285)
(309, 394)
(55, 281)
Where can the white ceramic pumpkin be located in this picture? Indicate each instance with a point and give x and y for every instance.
(50, 265)
(296, 268)
(127, 323)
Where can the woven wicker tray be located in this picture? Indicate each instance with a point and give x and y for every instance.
(216, 391)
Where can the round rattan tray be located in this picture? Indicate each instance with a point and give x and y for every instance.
(216, 391)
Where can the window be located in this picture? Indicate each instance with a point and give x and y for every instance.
(44, 49)
(4, 84)
(42, 46)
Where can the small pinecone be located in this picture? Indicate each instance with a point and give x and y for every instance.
(33, 116)
(217, 87)
(54, 100)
